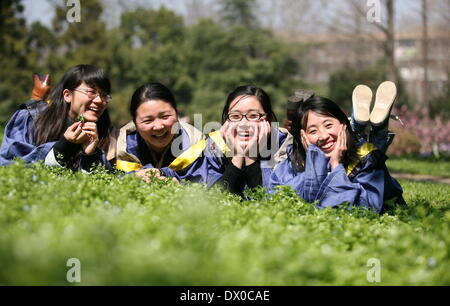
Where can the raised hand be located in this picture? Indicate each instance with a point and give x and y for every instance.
(41, 87)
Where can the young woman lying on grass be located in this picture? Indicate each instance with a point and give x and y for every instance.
(71, 129)
(243, 152)
(150, 143)
(329, 164)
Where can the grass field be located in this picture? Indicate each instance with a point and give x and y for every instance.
(417, 166)
(125, 232)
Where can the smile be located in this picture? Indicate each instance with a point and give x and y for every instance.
(327, 146)
(160, 135)
(94, 109)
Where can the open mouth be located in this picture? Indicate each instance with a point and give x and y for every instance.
(327, 147)
(245, 134)
(94, 109)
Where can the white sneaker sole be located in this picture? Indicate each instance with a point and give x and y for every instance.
(362, 98)
(385, 97)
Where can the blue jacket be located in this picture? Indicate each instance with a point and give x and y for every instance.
(205, 162)
(18, 142)
(133, 153)
(366, 183)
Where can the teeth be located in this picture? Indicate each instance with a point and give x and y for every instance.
(160, 135)
(93, 109)
(327, 146)
(244, 134)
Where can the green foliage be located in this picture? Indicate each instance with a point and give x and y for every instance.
(126, 232)
(239, 12)
(201, 63)
(13, 56)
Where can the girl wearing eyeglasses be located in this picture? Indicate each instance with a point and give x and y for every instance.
(243, 153)
(149, 144)
(71, 129)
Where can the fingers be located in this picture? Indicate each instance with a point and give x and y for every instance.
(304, 139)
(74, 132)
(224, 128)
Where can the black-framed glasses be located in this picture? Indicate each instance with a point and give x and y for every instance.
(250, 116)
(93, 94)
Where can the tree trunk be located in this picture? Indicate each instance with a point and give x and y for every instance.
(425, 99)
(389, 49)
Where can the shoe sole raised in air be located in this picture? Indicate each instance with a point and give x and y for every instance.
(361, 98)
(384, 99)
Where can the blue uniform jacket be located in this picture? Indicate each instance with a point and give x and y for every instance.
(367, 183)
(18, 142)
(205, 162)
(134, 154)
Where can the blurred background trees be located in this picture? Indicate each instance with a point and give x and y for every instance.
(203, 49)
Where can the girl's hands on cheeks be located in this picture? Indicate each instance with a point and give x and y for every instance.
(258, 141)
(337, 154)
(229, 134)
(305, 141)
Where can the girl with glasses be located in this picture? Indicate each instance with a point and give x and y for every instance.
(71, 129)
(243, 153)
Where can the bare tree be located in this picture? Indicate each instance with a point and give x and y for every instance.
(351, 18)
(425, 99)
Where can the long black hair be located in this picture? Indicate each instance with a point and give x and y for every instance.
(151, 91)
(324, 107)
(250, 90)
(54, 120)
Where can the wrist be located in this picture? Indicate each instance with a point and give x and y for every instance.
(250, 160)
(237, 161)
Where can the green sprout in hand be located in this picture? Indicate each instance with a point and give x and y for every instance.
(80, 118)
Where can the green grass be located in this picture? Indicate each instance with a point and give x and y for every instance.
(417, 166)
(126, 232)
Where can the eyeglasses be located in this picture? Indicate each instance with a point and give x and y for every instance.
(93, 94)
(251, 116)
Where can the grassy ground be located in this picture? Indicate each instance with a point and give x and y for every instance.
(126, 232)
(417, 166)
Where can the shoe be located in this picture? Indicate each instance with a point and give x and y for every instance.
(384, 99)
(361, 98)
(41, 87)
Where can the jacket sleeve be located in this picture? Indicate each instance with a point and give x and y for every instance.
(18, 140)
(366, 189)
(207, 168)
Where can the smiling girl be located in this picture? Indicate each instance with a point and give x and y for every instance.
(244, 151)
(155, 137)
(327, 164)
(53, 133)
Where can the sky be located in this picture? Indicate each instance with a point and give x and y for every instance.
(41, 10)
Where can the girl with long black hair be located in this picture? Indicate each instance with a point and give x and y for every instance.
(329, 165)
(70, 129)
